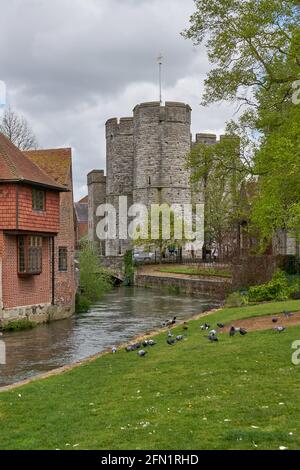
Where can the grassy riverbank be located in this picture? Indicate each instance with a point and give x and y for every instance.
(240, 393)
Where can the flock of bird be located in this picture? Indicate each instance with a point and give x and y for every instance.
(212, 335)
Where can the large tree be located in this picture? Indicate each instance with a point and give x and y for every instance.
(254, 48)
(17, 129)
(222, 172)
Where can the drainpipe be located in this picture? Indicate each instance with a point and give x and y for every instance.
(53, 271)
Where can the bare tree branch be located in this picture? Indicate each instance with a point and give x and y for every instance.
(16, 128)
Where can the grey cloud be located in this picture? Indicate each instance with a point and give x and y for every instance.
(71, 64)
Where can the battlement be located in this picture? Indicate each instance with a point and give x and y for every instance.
(205, 138)
(96, 176)
(116, 126)
(172, 111)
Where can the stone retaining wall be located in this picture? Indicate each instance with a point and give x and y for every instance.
(37, 313)
(213, 289)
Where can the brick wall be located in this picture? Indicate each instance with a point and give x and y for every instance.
(65, 281)
(23, 291)
(81, 231)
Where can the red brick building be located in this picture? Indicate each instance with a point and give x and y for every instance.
(30, 227)
(57, 163)
(81, 219)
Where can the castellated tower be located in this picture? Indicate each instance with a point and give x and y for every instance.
(119, 170)
(162, 139)
(96, 196)
(146, 159)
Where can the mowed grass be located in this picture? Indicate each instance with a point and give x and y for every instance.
(240, 393)
(196, 271)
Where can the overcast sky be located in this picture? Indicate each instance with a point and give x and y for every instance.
(69, 65)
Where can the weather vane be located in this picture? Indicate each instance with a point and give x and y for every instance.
(160, 63)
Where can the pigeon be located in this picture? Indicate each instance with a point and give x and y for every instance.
(280, 329)
(179, 338)
(232, 331)
(171, 341)
(151, 342)
(142, 353)
(170, 334)
(114, 350)
(287, 314)
(145, 343)
(213, 338)
(185, 326)
(212, 333)
(274, 320)
(243, 331)
(206, 326)
(133, 347)
(220, 325)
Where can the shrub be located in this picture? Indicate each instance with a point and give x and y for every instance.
(236, 299)
(277, 289)
(128, 268)
(19, 325)
(82, 304)
(94, 279)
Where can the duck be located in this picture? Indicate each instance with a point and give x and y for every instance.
(172, 321)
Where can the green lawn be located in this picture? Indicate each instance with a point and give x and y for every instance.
(196, 271)
(240, 393)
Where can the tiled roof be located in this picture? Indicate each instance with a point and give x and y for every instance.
(84, 200)
(81, 211)
(55, 162)
(15, 166)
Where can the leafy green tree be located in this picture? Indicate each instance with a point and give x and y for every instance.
(254, 48)
(222, 173)
(155, 225)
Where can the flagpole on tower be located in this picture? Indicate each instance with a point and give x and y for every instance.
(160, 63)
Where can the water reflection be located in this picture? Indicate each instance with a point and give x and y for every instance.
(121, 315)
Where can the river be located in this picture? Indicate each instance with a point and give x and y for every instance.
(118, 317)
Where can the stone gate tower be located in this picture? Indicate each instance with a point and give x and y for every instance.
(162, 140)
(119, 170)
(146, 159)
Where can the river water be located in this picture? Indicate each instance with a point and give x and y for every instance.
(118, 317)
